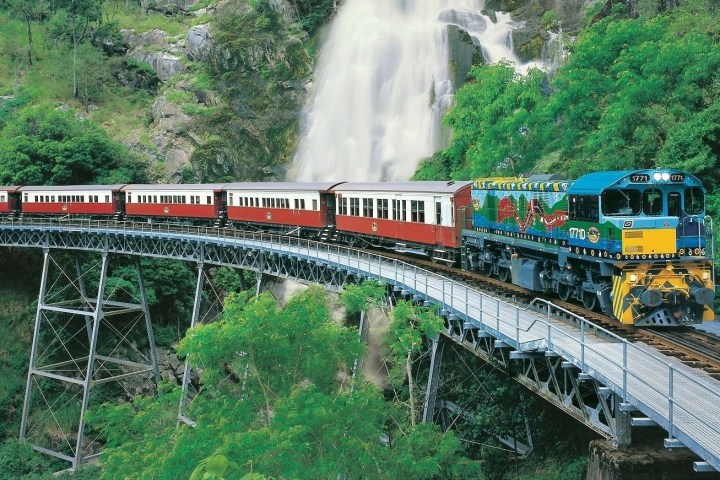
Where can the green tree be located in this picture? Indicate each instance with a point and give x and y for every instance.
(275, 403)
(29, 11)
(72, 21)
(18, 460)
(493, 123)
(43, 146)
(410, 328)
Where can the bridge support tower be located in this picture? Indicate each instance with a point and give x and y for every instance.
(92, 342)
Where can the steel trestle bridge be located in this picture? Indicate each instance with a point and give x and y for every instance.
(609, 384)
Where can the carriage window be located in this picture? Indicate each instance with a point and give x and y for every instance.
(674, 204)
(694, 201)
(26, 197)
(417, 211)
(2, 198)
(342, 206)
(209, 200)
(652, 202)
(621, 202)
(355, 207)
(302, 204)
(583, 207)
(52, 199)
(367, 207)
(315, 205)
(382, 208)
(438, 213)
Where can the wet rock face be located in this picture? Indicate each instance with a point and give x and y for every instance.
(530, 37)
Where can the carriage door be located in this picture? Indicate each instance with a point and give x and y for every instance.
(438, 220)
(327, 202)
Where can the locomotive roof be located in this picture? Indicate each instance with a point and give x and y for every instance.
(419, 187)
(66, 188)
(174, 186)
(284, 186)
(595, 182)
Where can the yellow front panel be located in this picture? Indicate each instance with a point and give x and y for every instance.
(644, 242)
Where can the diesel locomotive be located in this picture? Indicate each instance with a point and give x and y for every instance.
(636, 245)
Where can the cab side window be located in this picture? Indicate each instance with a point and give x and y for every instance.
(583, 207)
(674, 204)
(694, 202)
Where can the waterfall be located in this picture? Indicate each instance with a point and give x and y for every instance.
(383, 83)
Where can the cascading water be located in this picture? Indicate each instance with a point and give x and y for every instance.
(383, 82)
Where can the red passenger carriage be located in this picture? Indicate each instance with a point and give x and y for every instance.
(198, 201)
(282, 204)
(92, 200)
(8, 200)
(412, 216)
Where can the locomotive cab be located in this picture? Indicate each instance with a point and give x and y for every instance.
(651, 224)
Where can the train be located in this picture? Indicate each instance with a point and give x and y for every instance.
(633, 244)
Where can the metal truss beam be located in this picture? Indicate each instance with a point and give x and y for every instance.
(549, 376)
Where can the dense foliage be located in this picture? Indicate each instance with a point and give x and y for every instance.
(277, 400)
(44, 146)
(633, 93)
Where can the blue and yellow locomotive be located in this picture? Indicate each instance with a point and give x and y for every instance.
(634, 244)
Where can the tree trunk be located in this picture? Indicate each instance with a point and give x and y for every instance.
(29, 34)
(411, 387)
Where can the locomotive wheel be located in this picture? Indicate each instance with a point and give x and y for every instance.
(589, 300)
(564, 291)
(503, 274)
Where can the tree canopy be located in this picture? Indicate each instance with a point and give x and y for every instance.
(46, 146)
(278, 400)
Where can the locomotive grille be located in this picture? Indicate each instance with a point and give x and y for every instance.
(634, 249)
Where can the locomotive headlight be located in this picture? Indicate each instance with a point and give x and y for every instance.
(657, 176)
(633, 277)
(665, 176)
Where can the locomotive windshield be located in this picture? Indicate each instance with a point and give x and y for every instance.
(617, 202)
(621, 202)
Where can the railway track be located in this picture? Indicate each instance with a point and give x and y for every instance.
(694, 348)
